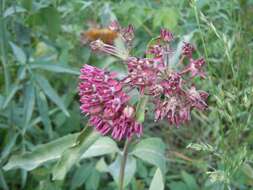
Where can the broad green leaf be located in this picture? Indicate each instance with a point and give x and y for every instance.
(157, 181)
(104, 145)
(151, 150)
(45, 184)
(12, 10)
(142, 169)
(130, 169)
(189, 180)
(178, 186)
(92, 182)
(13, 91)
(19, 53)
(101, 166)
(43, 110)
(72, 155)
(50, 92)
(81, 175)
(140, 110)
(57, 68)
(41, 153)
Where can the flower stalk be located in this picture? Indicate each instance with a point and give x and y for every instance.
(123, 164)
(140, 115)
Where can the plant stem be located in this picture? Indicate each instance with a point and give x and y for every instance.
(123, 165)
(201, 32)
(3, 48)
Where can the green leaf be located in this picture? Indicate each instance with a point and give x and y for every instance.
(3, 183)
(10, 143)
(189, 180)
(142, 169)
(72, 155)
(19, 53)
(166, 17)
(247, 170)
(92, 182)
(51, 18)
(130, 169)
(178, 186)
(13, 91)
(12, 10)
(140, 109)
(27, 4)
(101, 165)
(28, 103)
(151, 150)
(104, 145)
(81, 175)
(41, 153)
(50, 92)
(24, 175)
(57, 68)
(43, 110)
(157, 181)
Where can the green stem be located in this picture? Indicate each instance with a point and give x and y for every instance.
(3, 49)
(123, 164)
(140, 116)
(198, 22)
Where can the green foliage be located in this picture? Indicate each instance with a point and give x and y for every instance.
(114, 169)
(152, 151)
(40, 121)
(73, 154)
(157, 181)
(41, 154)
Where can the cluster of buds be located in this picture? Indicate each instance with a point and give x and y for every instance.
(172, 90)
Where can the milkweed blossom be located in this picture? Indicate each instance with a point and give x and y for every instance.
(106, 100)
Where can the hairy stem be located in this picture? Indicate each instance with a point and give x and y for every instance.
(123, 165)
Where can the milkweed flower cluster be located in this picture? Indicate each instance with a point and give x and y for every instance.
(105, 99)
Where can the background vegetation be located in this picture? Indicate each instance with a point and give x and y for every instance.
(41, 55)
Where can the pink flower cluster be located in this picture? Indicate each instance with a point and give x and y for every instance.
(171, 90)
(103, 99)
